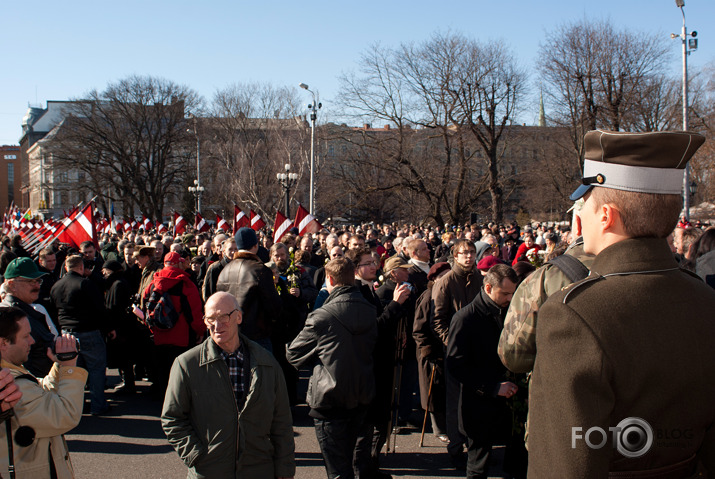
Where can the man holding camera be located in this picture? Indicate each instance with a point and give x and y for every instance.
(48, 407)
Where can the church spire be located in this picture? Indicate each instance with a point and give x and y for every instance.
(542, 113)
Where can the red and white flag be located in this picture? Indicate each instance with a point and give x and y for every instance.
(256, 221)
(146, 222)
(221, 224)
(180, 224)
(305, 222)
(80, 228)
(200, 224)
(239, 219)
(281, 227)
(161, 228)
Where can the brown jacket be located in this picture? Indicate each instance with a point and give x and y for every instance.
(429, 354)
(450, 293)
(146, 279)
(251, 282)
(633, 340)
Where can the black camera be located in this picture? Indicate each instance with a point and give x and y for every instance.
(68, 355)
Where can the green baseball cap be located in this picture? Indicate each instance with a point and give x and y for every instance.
(22, 268)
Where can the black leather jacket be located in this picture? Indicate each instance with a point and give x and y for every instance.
(252, 284)
(338, 340)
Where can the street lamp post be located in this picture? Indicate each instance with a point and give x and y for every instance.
(688, 44)
(287, 181)
(314, 107)
(197, 190)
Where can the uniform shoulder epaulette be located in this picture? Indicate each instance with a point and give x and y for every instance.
(592, 278)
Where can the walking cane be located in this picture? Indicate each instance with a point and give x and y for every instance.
(429, 396)
(396, 385)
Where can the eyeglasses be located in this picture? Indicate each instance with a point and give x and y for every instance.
(221, 318)
(466, 253)
(28, 280)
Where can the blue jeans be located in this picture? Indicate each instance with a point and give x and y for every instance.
(337, 439)
(93, 357)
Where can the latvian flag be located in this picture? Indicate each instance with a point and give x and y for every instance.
(305, 222)
(200, 224)
(221, 223)
(239, 219)
(281, 227)
(180, 224)
(256, 221)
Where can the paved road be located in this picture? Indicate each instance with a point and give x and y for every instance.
(130, 444)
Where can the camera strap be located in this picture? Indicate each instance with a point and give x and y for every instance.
(10, 453)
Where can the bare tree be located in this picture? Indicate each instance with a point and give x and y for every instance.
(131, 140)
(449, 91)
(596, 76)
(251, 132)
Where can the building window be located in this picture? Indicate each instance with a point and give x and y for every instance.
(10, 183)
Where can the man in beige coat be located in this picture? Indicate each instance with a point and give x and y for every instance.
(49, 407)
(624, 378)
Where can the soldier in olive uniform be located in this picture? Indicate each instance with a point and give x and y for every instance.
(624, 378)
(517, 344)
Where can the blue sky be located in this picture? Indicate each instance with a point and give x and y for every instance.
(60, 50)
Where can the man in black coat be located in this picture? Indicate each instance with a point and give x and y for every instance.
(121, 351)
(373, 434)
(473, 361)
(81, 312)
(338, 340)
(397, 272)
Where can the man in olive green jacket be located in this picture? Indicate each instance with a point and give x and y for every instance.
(623, 382)
(226, 408)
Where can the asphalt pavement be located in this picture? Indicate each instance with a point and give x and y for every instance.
(128, 443)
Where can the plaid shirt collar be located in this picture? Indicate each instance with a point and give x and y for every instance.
(236, 363)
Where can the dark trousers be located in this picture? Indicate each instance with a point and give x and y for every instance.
(162, 359)
(456, 438)
(371, 439)
(478, 453)
(337, 439)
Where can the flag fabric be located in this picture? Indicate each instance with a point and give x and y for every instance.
(200, 224)
(281, 227)
(239, 219)
(305, 222)
(146, 223)
(180, 224)
(161, 228)
(76, 229)
(256, 221)
(221, 224)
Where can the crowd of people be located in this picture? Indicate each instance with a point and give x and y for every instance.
(396, 322)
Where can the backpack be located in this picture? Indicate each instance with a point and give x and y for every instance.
(160, 310)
